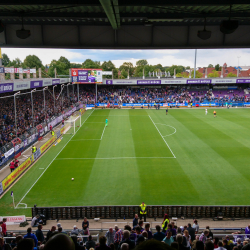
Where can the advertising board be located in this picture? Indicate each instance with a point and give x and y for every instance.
(86, 76)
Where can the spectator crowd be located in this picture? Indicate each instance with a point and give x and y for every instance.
(106, 94)
(167, 236)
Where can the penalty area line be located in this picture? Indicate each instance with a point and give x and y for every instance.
(103, 132)
(161, 136)
(86, 140)
(115, 158)
(51, 162)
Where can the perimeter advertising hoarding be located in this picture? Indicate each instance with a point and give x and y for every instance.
(36, 84)
(145, 82)
(243, 81)
(47, 82)
(17, 172)
(6, 87)
(21, 85)
(86, 76)
(199, 81)
(56, 81)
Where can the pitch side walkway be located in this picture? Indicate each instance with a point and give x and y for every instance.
(4, 172)
(105, 224)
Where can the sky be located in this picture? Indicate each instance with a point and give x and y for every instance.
(166, 57)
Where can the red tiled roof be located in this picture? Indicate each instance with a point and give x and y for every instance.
(226, 71)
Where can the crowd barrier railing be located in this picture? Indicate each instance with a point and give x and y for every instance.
(128, 212)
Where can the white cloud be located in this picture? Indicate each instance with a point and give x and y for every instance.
(167, 51)
(163, 60)
(118, 57)
(46, 55)
(186, 57)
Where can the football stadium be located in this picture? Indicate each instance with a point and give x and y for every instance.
(140, 155)
(147, 151)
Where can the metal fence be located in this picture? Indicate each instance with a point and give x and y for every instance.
(116, 212)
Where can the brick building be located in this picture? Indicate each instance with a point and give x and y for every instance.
(244, 71)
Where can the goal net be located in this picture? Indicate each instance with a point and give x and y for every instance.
(71, 124)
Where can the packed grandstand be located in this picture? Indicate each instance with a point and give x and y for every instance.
(168, 236)
(109, 95)
(135, 234)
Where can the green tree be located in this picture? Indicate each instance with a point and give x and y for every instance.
(148, 68)
(124, 73)
(127, 66)
(217, 67)
(139, 71)
(65, 61)
(115, 73)
(231, 74)
(213, 74)
(90, 64)
(61, 68)
(210, 65)
(75, 65)
(5, 60)
(182, 74)
(197, 74)
(142, 62)
(178, 69)
(186, 74)
(109, 66)
(32, 61)
(188, 67)
(159, 67)
(17, 63)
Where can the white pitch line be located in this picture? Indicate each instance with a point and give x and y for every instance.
(167, 126)
(94, 122)
(52, 161)
(86, 140)
(115, 158)
(119, 115)
(162, 137)
(103, 131)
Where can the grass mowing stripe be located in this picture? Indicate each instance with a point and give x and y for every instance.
(51, 162)
(115, 158)
(114, 181)
(162, 136)
(205, 156)
(210, 166)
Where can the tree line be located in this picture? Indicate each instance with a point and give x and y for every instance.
(63, 65)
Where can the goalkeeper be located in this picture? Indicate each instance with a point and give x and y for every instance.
(106, 122)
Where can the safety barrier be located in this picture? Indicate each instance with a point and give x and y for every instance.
(121, 212)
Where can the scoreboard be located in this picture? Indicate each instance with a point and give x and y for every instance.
(86, 76)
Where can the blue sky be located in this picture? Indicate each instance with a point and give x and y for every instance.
(164, 57)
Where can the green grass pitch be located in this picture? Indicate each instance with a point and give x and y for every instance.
(183, 158)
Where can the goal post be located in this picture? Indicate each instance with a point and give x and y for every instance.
(71, 124)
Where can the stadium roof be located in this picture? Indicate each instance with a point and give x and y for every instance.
(125, 24)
